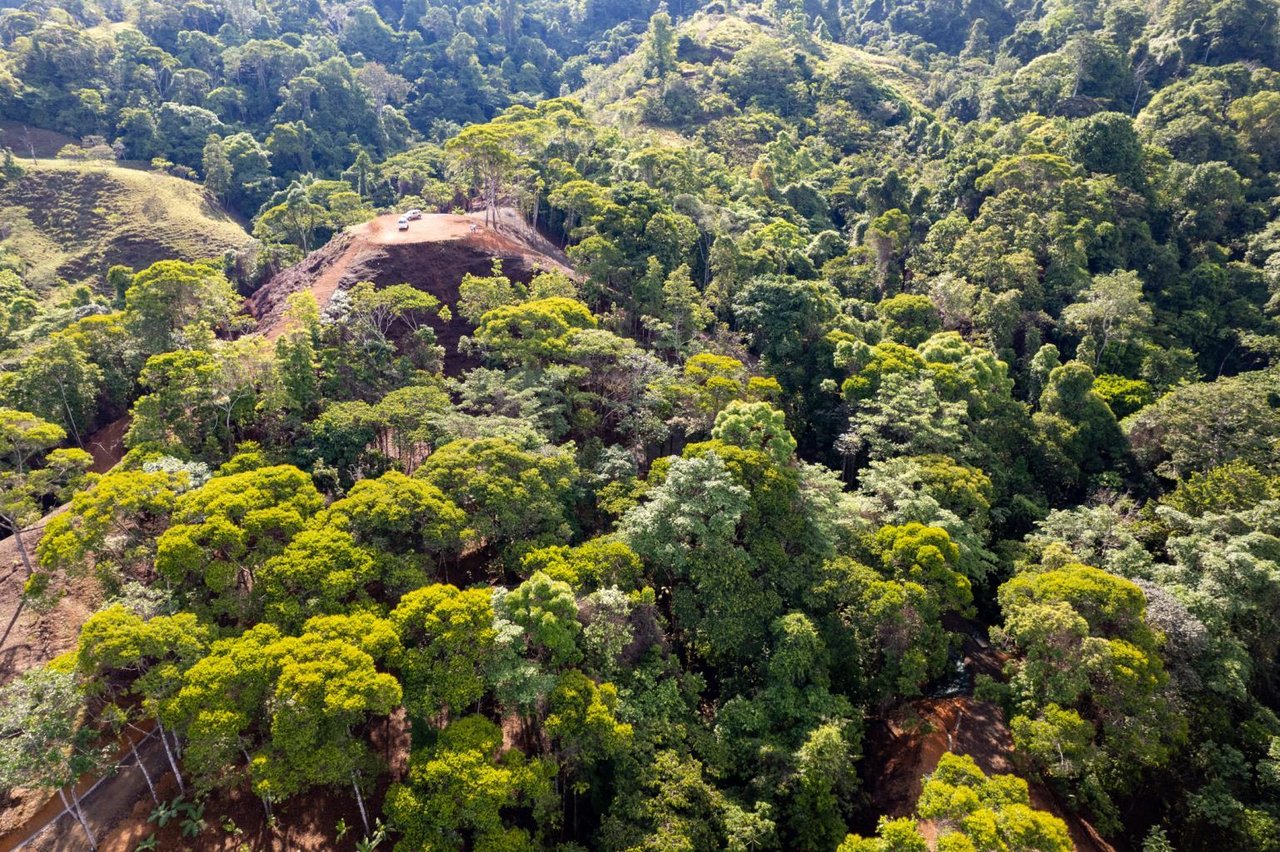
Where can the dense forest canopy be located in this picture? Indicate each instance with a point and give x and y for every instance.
(868, 340)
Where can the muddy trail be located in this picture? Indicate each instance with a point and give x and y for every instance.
(433, 254)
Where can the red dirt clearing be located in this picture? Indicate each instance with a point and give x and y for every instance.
(107, 444)
(905, 744)
(351, 256)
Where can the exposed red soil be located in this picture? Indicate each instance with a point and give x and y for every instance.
(103, 799)
(906, 746)
(432, 255)
(38, 636)
(306, 823)
(107, 444)
(47, 143)
(236, 820)
(906, 743)
(120, 808)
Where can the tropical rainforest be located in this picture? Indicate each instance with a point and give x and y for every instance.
(869, 333)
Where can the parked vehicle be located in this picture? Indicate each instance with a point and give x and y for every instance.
(415, 213)
(403, 223)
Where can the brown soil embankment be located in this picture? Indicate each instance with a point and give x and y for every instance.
(432, 255)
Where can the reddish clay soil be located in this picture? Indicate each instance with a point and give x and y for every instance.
(37, 636)
(103, 799)
(432, 255)
(47, 143)
(107, 444)
(236, 820)
(906, 743)
(119, 808)
(305, 823)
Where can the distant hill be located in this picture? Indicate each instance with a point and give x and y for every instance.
(432, 255)
(708, 41)
(68, 222)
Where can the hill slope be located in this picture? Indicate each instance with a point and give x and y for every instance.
(69, 222)
(707, 43)
(433, 255)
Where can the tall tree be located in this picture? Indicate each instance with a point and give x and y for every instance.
(217, 168)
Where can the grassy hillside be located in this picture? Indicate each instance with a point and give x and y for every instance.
(67, 222)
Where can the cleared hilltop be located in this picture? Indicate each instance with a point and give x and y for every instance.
(432, 255)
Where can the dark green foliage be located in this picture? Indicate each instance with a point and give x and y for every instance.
(882, 326)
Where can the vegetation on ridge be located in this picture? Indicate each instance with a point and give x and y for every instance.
(893, 326)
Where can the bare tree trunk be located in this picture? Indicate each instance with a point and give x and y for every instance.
(364, 817)
(73, 807)
(142, 767)
(31, 145)
(1139, 79)
(22, 603)
(22, 548)
(173, 764)
(66, 406)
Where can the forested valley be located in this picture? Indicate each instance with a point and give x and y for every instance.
(496, 425)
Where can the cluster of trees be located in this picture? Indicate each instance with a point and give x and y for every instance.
(294, 550)
(969, 811)
(277, 108)
(991, 335)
